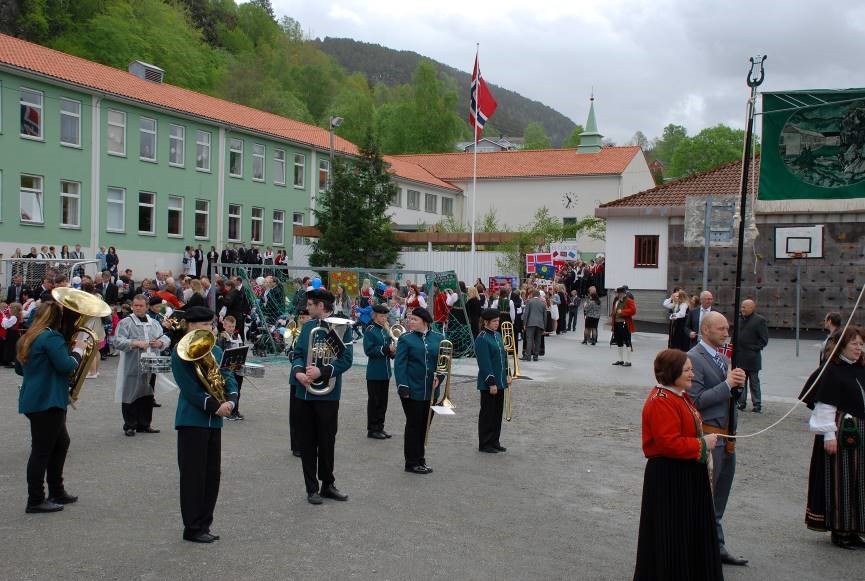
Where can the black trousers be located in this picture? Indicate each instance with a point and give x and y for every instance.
(292, 420)
(490, 419)
(49, 443)
(316, 431)
(376, 405)
(416, 417)
(239, 380)
(138, 414)
(199, 456)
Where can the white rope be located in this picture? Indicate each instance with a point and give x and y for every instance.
(816, 379)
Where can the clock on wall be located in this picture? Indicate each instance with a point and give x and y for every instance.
(570, 199)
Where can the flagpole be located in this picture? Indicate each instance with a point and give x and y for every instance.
(475, 159)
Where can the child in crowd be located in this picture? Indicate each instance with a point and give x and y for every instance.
(229, 338)
(573, 308)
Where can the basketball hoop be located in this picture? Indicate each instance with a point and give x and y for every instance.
(797, 255)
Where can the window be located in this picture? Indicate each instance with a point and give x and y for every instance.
(70, 204)
(257, 225)
(31, 199)
(147, 139)
(447, 206)
(396, 197)
(235, 158)
(297, 220)
(279, 227)
(646, 251)
(299, 169)
(569, 228)
(176, 144)
(323, 174)
(116, 132)
(31, 113)
(279, 167)
(175, 216)
(70, 122)
(413, 201)
(202, 150)
(235, 212)
(430, 203)
(202, 218)
(258, 152)
(146, 213)
(115, 210)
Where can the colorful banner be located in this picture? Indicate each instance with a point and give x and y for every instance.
(347, 279)
(545, 270)
(498, 282)
(533, 259)
(813, 145)
(565, 251)
(444, 280)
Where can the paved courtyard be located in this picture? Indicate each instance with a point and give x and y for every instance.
(562, 503)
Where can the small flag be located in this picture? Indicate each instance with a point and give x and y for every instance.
(545, 270)
(482, 104)
(726, 350)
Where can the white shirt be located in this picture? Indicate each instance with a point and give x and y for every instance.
(822, 420)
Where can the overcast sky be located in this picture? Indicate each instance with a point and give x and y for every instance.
(650, 63)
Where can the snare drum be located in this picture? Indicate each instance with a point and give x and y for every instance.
(251, 370)
(155, 364)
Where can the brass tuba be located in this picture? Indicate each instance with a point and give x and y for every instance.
(509, 339)
(82, 313)
(320, 353)
(197, 348)
(444, 362)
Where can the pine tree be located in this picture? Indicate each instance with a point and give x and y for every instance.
(355, 229)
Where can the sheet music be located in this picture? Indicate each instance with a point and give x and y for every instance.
(443, 410)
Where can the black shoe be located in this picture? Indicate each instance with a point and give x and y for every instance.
(215, 537)
(147, 430)
(333, 492)
(296, 453)
(376, 435)
(729, 559)
(500, 448)
(594, 342)
(488, 450)
(239, 417)
(103, 357)
(525, 358)
(740, 407)
(757, 410)
(626, 364)
(843, 542)
(157, 405)
(386, 435)
(314, 498)
(129, 432)
(618, 362)
(44, 506)
(199, 537)
(856, 541)
(64, 498)
(420, 469)
(535, 358)
(584, 342)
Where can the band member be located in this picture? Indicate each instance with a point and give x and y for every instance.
(198, 422)
(493, 380)
(45, 362)
(318, 415)
(414, 369)
(302, 318)
(380, 348)
(230, 339)
(136, 335)
(622, 319)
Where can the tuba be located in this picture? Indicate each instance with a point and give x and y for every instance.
(320, 352)
(509, 339)
(444, 361)
(197, 348)
(82, 313)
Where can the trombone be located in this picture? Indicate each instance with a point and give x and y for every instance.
(444, 362)
(509, 339)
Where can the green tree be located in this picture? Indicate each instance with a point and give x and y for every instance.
(354, 103)
(352, 218)
(265, 5)
(535, 137)
(573, 140)
(709, 148)
(640, 139)
(666, 145)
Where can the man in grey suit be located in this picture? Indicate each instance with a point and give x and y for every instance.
(713, 391)
(534, 321)
(752, 339)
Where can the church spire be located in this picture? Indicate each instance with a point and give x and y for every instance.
(590, 139)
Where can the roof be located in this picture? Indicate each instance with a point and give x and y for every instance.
(414, 172)
(526, 163)
(721, 181)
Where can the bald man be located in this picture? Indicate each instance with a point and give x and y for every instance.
(753, 338)
(714, 390)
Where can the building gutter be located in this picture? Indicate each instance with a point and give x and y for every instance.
(640, 212)
(95, 170)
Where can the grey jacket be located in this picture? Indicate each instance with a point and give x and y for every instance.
(709, 390)
(753, 337)
(535, 313)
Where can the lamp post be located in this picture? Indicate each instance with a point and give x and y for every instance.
(334, 123)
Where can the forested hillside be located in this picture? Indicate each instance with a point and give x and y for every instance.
(241, 53)
(395, 67)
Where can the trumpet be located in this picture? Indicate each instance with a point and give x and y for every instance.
(509, 339)
(444, 362)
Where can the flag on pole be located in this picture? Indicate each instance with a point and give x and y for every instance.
(482, 104)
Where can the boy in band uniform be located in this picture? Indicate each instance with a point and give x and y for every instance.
(198, 422)
(380, 348)
(493, 380)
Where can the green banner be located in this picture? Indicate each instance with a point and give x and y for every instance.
(813, 145)
(445, 280)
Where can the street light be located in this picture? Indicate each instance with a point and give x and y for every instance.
(334, 123)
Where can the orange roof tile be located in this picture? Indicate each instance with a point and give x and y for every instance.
(720, 181)
(525, 163)
(414, 172)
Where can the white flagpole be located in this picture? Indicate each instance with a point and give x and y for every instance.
(475, 157)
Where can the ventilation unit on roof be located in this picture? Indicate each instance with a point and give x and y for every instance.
(146, 71)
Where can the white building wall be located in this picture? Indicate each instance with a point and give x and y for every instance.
(620, 253)
(403, 216)
(637, 177)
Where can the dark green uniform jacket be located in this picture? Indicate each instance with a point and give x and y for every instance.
(415, 363)
(332, 372)
(492, 360)
(46, 374)
(376, 345)
(195, 407)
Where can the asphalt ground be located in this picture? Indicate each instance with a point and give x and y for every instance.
(562, 503)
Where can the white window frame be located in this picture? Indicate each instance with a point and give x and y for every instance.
(239, 217)
(451, 209)
(201, 145)
(323, 166)
(76, 196)
(180, 150)
(302, 165)
(40, 198)
(252, 220)
(121, 203)
(40, 106)
(76, 116)
(154, 132)
(279, 224)
(279, 167)
(295, 222)
(408, 200)
(152, 206)
(232, 150)
(206, 213)
(396, 197)
(122, 127)
(426, 203)
(259, 155)
(179, 210)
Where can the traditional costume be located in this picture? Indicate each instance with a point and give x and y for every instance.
(622, 318)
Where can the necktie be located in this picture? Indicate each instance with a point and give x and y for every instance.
(720, 363)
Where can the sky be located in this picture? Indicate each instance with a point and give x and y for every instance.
(649, 63)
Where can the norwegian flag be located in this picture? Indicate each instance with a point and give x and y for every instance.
(482, 104)
(726, 350)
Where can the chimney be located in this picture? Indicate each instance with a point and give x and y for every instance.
(146, 71)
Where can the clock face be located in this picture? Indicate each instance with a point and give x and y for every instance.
(569, 199)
